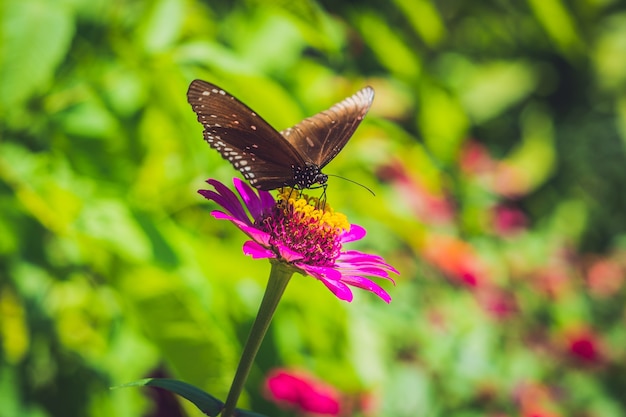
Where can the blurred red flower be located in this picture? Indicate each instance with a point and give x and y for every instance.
(584, 345)
(302, 392)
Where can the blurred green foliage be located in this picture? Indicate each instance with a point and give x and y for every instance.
(496, 147)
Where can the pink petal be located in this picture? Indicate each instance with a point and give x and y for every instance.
(338, 288)
(267, 200)
(375, 271)
(356, 232)
(288, 254)
(369, 285)
(256, 234)
(226, 204)
(330, 277)
(257, 251)
(225, 198)
(359, 258)
(321, 272)
(253, 202)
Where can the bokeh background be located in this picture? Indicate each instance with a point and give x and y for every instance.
(495, 147)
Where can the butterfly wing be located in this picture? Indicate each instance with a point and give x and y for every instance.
(264, 157)
(321, 137)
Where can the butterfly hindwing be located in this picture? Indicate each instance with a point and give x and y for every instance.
(264, 157)
(321, 137)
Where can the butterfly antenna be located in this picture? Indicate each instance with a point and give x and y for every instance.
(353, 182)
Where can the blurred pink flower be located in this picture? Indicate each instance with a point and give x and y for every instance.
(553, 280)
(475, 159)
(310, 239)
(501, 177)
(302, 392)
(499, 303)
(510, 181)
(428, 206)
(507, 220)
(605, 277)
(456, 258)
(537, 400)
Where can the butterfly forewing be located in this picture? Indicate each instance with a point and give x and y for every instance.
(264, 157)
(321, 137)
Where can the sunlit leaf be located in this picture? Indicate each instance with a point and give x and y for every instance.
(559, 25)
(29, 58)
(442, 121)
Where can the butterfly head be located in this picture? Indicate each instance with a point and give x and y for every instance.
(308, 176)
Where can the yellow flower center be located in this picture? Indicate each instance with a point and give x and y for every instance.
(313, 211)
(306, 226)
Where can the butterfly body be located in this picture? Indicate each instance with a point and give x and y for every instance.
(269, 159)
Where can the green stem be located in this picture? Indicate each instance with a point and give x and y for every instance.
(276, 284)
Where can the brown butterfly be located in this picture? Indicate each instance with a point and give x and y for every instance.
(269, 159)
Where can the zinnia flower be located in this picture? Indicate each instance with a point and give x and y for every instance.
(296, 231)
(302, 392)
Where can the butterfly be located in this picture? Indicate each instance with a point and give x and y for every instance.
(269, 159)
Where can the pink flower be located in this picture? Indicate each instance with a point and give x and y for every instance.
(456, 258)
(605, 277)
(537, 400)
(499, 303)
(475, 159)
(508, 221)
(296, 232)
(302, 392)
(429, 204)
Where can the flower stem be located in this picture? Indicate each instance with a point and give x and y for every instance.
(276, 284)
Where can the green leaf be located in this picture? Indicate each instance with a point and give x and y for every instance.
(208, 404)
(245, 413)
(35, 36)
